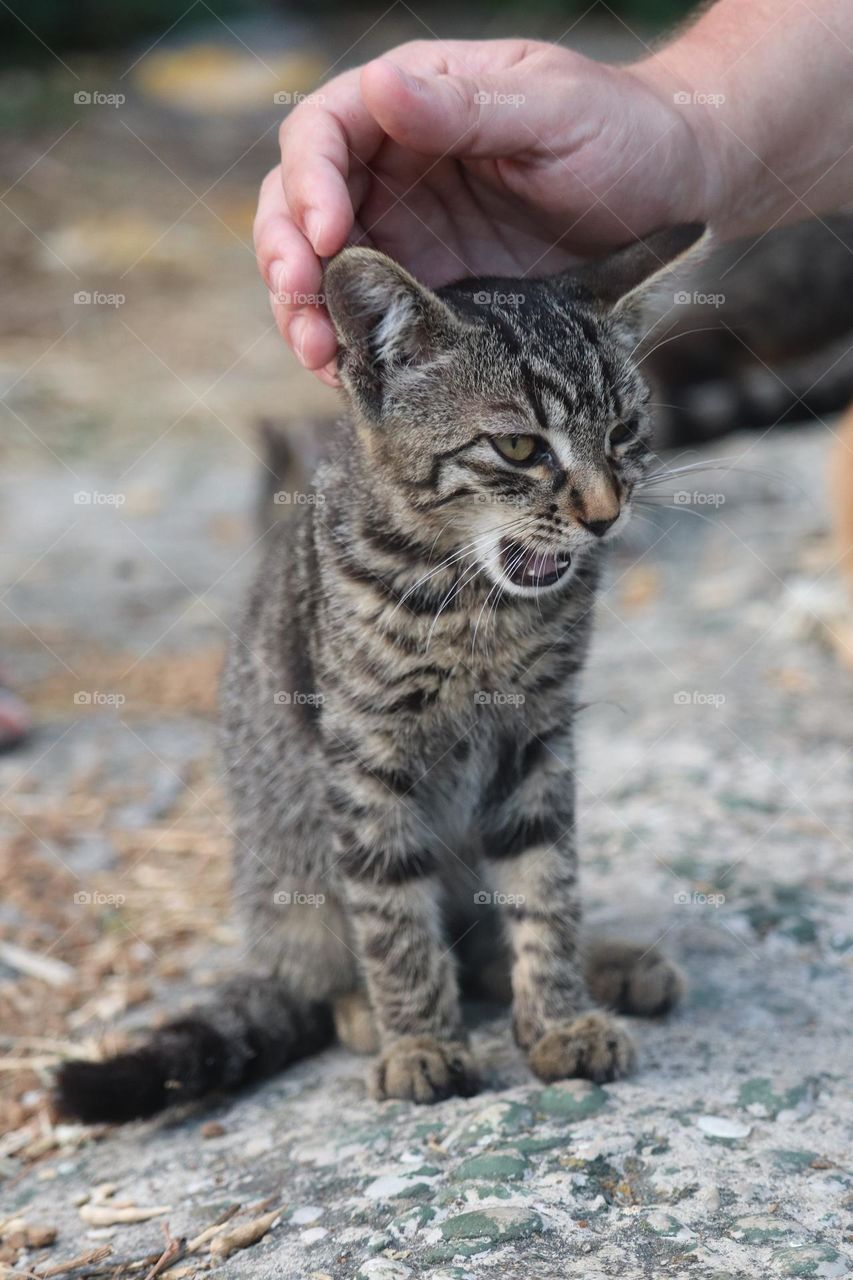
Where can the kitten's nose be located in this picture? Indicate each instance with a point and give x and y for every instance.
(599, 527)
(598, 506)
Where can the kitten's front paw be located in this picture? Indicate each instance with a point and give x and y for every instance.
(423, 1069)
(592, 1046)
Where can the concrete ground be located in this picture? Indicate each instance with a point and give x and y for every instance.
(715, 785)
(715, 818)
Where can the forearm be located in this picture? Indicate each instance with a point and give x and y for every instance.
(769, 90)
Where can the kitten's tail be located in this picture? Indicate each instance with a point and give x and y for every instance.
(254, 1029)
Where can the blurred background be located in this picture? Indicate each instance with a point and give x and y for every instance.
(137, 359)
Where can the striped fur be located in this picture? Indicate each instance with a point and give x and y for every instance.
(398, 707)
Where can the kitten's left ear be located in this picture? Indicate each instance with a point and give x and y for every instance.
(384, 319)
(620, 280)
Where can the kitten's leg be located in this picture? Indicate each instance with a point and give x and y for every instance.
(631, 978)
(355, 1025)
(392, 890)
(530, 844)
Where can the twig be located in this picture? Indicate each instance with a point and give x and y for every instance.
(82, 1260)
(173, 1252)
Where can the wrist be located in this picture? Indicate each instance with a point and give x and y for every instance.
(700, 181)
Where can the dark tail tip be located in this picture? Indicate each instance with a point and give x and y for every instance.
(127, 1087)
(183, 1061)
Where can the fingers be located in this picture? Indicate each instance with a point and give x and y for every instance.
(475, 114)
(319, 141)
(305, 212)
(294, 277)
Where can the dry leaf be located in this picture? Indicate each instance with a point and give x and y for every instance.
(107, 1215)
(244, 1236)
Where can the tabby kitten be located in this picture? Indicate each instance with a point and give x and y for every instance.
(398, 708)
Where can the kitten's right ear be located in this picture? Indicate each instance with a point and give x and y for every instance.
(384, 319)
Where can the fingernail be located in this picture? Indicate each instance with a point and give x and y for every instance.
(314, 226)
(278, 280)
(296, 334)
(411, 82)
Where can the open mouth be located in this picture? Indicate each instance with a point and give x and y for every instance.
(527, 567)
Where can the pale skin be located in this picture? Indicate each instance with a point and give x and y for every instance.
(513, 157)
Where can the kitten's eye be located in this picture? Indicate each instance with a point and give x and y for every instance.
(518, 448)
(623, 432)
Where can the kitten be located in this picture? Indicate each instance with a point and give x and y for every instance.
(398, 709)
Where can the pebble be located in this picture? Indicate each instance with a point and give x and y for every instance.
(313, 1235)
(763, 1228)
(721, 1127)
(813, 1260)
(497, 1166)
(572, 1099)
(383, 1269)
(387, 1186)
(493, 1226)
(307, 1213)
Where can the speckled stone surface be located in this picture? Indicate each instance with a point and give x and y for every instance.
(715, 819)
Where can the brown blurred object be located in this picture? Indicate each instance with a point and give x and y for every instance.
(841, 493)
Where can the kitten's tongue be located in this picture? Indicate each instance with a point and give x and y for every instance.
(527, 567)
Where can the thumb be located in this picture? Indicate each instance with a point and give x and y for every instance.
(475, 116)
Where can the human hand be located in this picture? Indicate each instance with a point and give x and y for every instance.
(505, 157)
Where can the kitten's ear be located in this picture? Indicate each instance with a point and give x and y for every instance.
(384, 320)
(620, 280)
